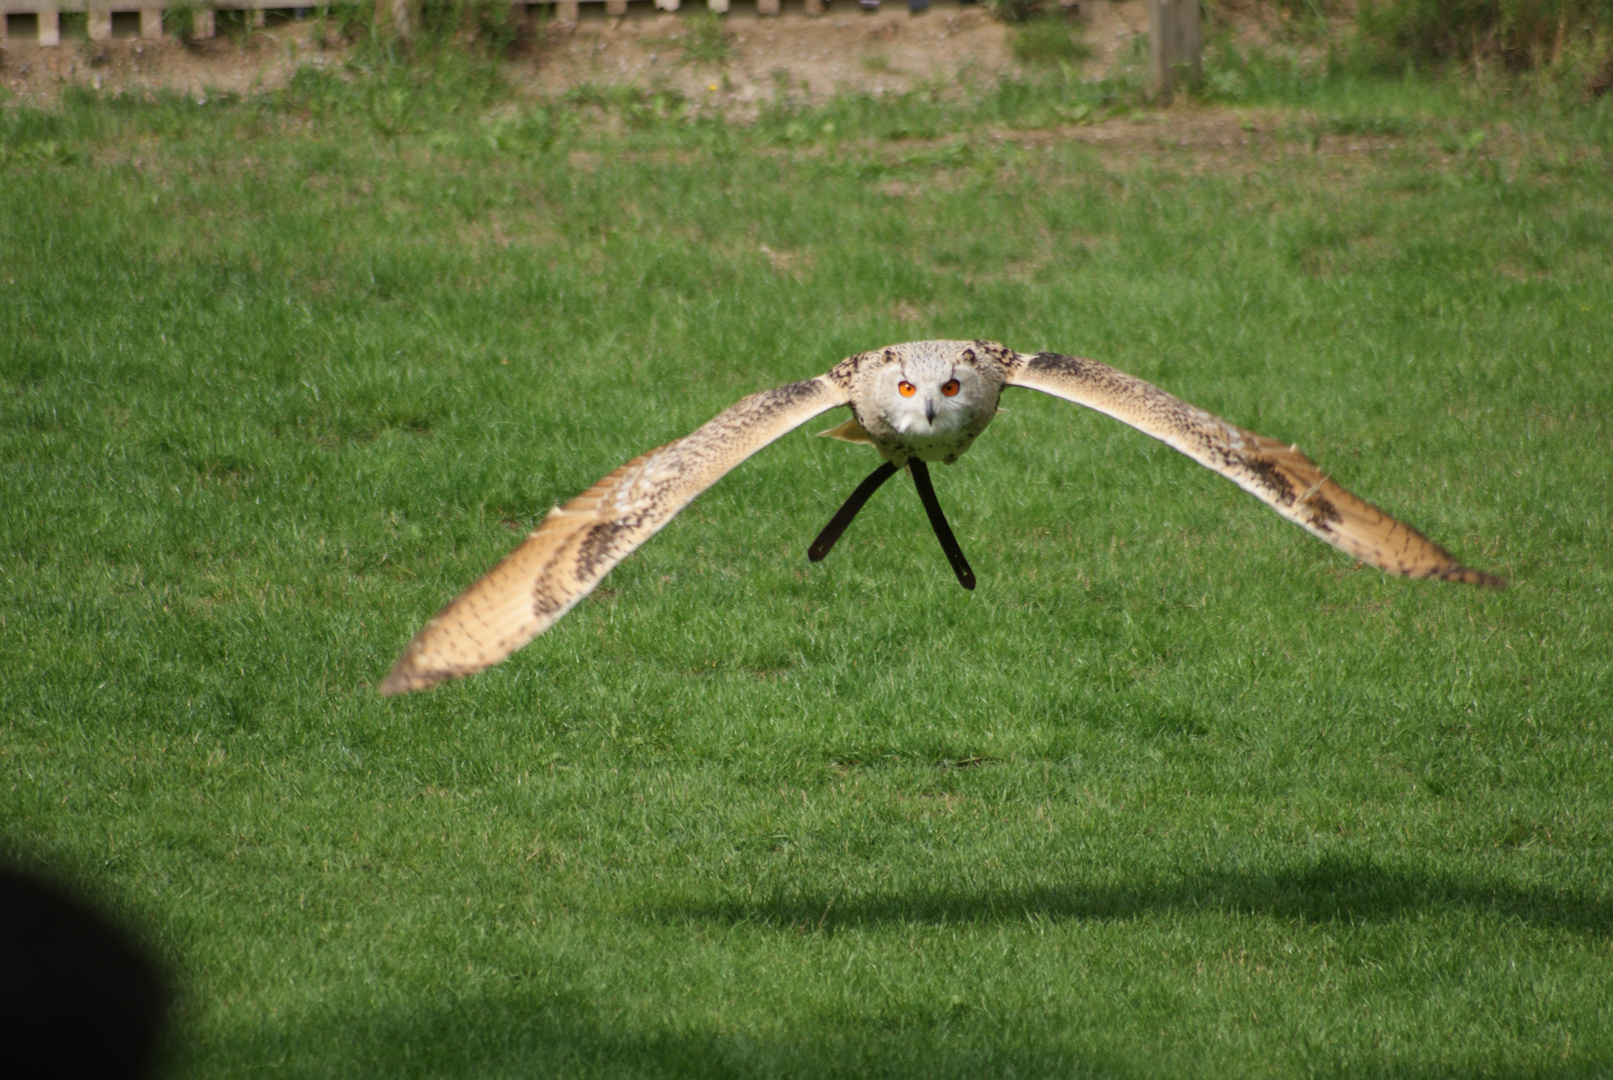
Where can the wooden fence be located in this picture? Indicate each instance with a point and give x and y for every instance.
(40, 20)
(1173, 24)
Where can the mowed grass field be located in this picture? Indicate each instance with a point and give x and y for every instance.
(1178, 791)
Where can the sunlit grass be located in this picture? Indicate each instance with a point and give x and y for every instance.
(1177, 791)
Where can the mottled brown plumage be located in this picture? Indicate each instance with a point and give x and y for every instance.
(925, 401)
(577, 543)
(1272, 471)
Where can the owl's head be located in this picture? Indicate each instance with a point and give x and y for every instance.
(930, 389)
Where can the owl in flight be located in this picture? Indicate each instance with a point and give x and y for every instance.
(917, 403)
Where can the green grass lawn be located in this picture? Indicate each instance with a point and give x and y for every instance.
(1179, 791)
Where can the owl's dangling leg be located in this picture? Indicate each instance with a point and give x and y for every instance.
(938, 521)
(837, 524)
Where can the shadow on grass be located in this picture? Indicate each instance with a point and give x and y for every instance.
(516, 1032)
(1331, 889)
(550, 1024)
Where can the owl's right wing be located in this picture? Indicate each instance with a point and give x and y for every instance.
(1272, 471)
(578, 543)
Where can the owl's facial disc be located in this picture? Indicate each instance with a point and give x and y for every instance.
(929, 397)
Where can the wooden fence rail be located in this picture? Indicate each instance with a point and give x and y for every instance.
(40, 20)
(1173, 24)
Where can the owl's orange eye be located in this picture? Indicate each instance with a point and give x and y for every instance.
(950, 387)
(907, 388)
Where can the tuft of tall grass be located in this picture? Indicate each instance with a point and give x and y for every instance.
(1015, 11)
(1568, 40)
(1049, 40)
(494, 27)
(705, 40)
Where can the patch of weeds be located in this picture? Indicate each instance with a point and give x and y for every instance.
(236, 25)
(34, 125)
(951, 156)
(878, 63)
(1230, 75)
(1223, 83)
(655, 106)
(1129, 79)
(1556, 49)
(1298, 9)
(1014, 11)
(321, 158)
(803, 131)
(180, 21)
(1049, 40)
(84, 103)
(1303, 20)
(1307, 135)
(528, 133)
(1602, 81)
(1522, 33)
(400, 94)
(704, 40)
(390, 109)
(1455, 142)
(34, 154)
(1383, 126)
(640, 108)
(492, 26)
(1048, 102)
(589, 93)
(439, 22)
(317, 90)
(349, 22)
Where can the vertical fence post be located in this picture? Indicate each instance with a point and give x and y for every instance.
(1173, 42)
(98, 25)
(203, 26)
(151, 23)
(50, 27)
(616, 9)
(566, 12)
(395, 17)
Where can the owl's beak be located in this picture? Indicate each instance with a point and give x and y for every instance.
(929, 408)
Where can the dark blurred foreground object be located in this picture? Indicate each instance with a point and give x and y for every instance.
(78, 997)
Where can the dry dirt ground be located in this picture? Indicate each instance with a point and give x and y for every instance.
(884, 51)
(808, 58)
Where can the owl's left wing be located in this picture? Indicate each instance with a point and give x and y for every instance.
(1270, 470)
(578, 543)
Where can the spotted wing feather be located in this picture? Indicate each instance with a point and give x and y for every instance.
(1270, 470)
(578, 543)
